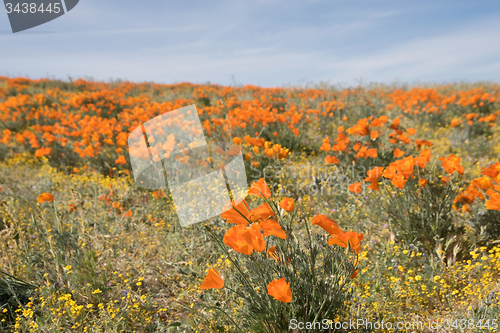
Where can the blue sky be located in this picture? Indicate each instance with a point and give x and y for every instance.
(268, 43)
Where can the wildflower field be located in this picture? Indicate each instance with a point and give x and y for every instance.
(375, 204)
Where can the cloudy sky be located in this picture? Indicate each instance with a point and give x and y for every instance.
(261, 42)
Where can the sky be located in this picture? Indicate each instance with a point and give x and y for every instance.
(261, 42)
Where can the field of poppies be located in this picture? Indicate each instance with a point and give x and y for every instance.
(376, 204)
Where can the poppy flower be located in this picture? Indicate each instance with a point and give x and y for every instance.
(390, 172)
(239, 239)
(287, 204)
(374, 134)
(411, 131)
(121, 160)
(272, 227)
(260, 189)
(372, 152)
(212, 280)
(421, 143)
(237, 212)
(482, 183)
(45, 197)
(280, 290)
(398, 153)
(326, 144)
(422, 182)
(331, 160)
(423, 158)
(350, 238)
(374, 184)
(399, 181)
(375, 172)
(451, 164)
(492, 171)
(354, 274)
(258, 241)
(494, 202)
(42, 152)
(356, 187)
(329, 225)
(128, 214)
(263, 212)
(395, 124)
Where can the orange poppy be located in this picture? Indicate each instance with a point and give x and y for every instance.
(423, 158)
(494, 202)
(326, 144)
(329, 225)
(411, 131)
(398, 153)
(42, 152)
(372, 152)
(492, 171)
(452, 164)
(287, 204)
(121, 160)
(482, 183)
(280, 290)
(212, 280)
(237, 212)
(331, 160)
(422, 182)
(258, 241)
(350, 238)
(45, 197)
(390, 172)
(356, 187)
(354, 274)
(395, 124)
(375, 172)
(239, 239)
(263, 212)
(260, 189)
(272, 227)
(399, 181)
(421, 143)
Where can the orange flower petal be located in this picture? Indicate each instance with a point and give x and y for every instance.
(280, 290)
(212, 280)
(260, 188)
(45, 197)
(287, 204)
